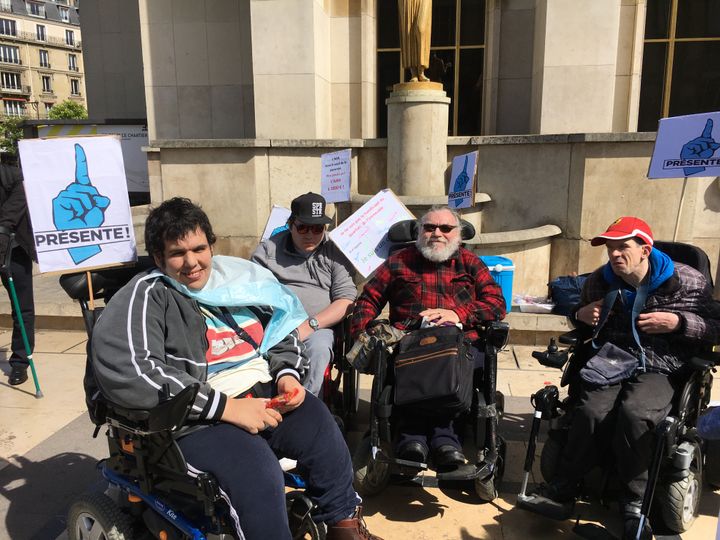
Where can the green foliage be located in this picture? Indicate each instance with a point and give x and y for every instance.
(68, 110)
(10, 133)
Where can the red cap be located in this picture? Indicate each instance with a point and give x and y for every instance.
(623, 228)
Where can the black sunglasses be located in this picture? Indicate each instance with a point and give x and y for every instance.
(430, 227)
(302, 228)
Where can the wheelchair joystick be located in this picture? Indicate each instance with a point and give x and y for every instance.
(552, 356)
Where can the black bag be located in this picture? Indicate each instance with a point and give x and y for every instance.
(565, 293)
(609, 366)
(434, 371)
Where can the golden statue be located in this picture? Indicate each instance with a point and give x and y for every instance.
(415, 25)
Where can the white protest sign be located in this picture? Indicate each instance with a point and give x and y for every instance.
(78, 201)
(462, 186)
(277, 219)
(132, 140)
(685, 146)
(335, 178)
(363, 236)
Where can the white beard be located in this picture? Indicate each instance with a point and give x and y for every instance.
(437, 251)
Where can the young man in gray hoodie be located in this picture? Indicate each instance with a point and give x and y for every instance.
(304, 260)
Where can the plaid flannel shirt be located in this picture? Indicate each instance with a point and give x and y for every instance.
(412, 283)
(686, 293)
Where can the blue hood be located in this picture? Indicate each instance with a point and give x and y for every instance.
(661, 269)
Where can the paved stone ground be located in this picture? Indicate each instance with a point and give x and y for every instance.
(47, 458)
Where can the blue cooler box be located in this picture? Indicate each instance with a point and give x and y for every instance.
(502, 270)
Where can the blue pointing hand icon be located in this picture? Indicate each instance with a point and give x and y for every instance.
(701, 147)
(80, 206)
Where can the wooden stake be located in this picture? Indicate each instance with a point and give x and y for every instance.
(91, 298)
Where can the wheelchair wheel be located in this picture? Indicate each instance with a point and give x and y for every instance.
(371, 477)
(95, 515)
(350, 392)
(488, 488)
(679, 501)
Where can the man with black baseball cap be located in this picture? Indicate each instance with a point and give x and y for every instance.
(659, 314)
(311, 266)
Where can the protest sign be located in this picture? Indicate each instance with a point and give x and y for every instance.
(462, 184)
(78, 202)
(363, 236)
(685, 146)
(335, 179)
(277, 220)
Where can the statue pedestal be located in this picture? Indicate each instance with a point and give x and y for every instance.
(417, 138)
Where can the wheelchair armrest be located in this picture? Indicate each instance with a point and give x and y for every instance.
(496, 333)
(571, 338)
(704, 361)
(167, 416)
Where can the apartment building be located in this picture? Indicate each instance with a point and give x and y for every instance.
(40, 56)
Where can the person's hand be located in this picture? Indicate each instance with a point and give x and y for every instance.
(658, 322)
(439, 316)
(80, 206)
(700, 147)
(288, 383)
(590, 313)
(304, 330)
(250, 414)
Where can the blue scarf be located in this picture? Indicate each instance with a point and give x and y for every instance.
(661, 269)
(235, 282)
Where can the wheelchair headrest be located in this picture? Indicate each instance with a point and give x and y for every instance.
(407, 231)
(105, 283)
(687, 254)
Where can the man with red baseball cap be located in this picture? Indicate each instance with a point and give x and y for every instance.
(646, 315)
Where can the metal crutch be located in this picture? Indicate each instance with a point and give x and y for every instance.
(5, 269)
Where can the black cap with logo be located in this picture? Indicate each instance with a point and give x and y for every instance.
(309, 209)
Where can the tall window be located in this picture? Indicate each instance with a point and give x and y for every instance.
(8, 27)
(46, 83)
(69, 37)
(72, 62)
(48, 106)
(64, 14)
(13, 107)
(36, 9)
(9, 54)
(41, 32)
(75, 87)
(44, 59)
(457, 55)
(6, 5)
(9, 80)
(681, 71)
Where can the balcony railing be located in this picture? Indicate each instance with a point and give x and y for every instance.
(22, 89)
(50, 40)
(73, 68)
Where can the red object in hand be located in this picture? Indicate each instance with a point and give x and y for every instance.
(282, 399)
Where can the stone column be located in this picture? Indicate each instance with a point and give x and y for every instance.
(417, 139)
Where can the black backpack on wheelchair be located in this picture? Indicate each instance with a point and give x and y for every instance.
(150, 491)
(374, 463)
(680, 456)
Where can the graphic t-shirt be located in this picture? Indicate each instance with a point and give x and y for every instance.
(234, 365)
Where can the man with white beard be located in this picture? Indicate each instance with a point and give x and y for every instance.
(444, 283)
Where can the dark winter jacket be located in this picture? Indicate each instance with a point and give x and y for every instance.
(14, 213)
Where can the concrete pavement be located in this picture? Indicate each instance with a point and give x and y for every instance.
(47, 458)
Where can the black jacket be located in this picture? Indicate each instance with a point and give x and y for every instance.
(13, 208)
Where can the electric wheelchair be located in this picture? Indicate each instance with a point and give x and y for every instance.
(150, 493)
(679, 458)
(374, 463)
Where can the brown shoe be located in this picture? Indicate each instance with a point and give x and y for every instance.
(351, 529)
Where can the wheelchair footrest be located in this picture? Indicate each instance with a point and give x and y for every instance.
(546, 507)
(463, 473)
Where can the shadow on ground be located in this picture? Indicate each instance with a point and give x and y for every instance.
(38, 494)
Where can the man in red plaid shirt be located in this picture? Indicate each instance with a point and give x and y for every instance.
(444, 283)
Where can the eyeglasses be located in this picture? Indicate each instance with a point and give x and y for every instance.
(302, 228)
(430, 227)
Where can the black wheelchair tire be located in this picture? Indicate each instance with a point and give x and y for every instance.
(679, 501)
(370, 477)
(309, 530)
(488, 489)
(98, 513)
(350, 393)
(550, 458)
